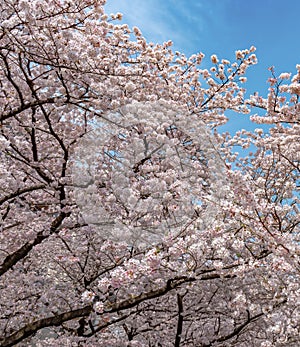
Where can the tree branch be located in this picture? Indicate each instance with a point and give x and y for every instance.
(32, 328)
(22, 252)
(179, 321)
(20, 192)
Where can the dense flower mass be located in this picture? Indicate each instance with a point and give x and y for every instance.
(127, 217)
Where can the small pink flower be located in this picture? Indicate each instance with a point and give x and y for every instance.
(295, 88)
(87, 296)
(99, 307)
(285, 76)
(214, 59)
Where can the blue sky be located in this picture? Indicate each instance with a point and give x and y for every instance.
(222, 27)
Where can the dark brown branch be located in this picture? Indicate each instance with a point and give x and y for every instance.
(20, 192)
(26, 106)
(240, 328)
(9, 77)
(33, 327)
(171, 284)
(179, 321)
(22, 252)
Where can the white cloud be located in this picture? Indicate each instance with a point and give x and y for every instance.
(150, 16)
(185, 24)
(193, 25)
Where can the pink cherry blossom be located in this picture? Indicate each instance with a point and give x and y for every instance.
(127, 217)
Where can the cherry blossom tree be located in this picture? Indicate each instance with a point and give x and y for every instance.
(127, 218)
